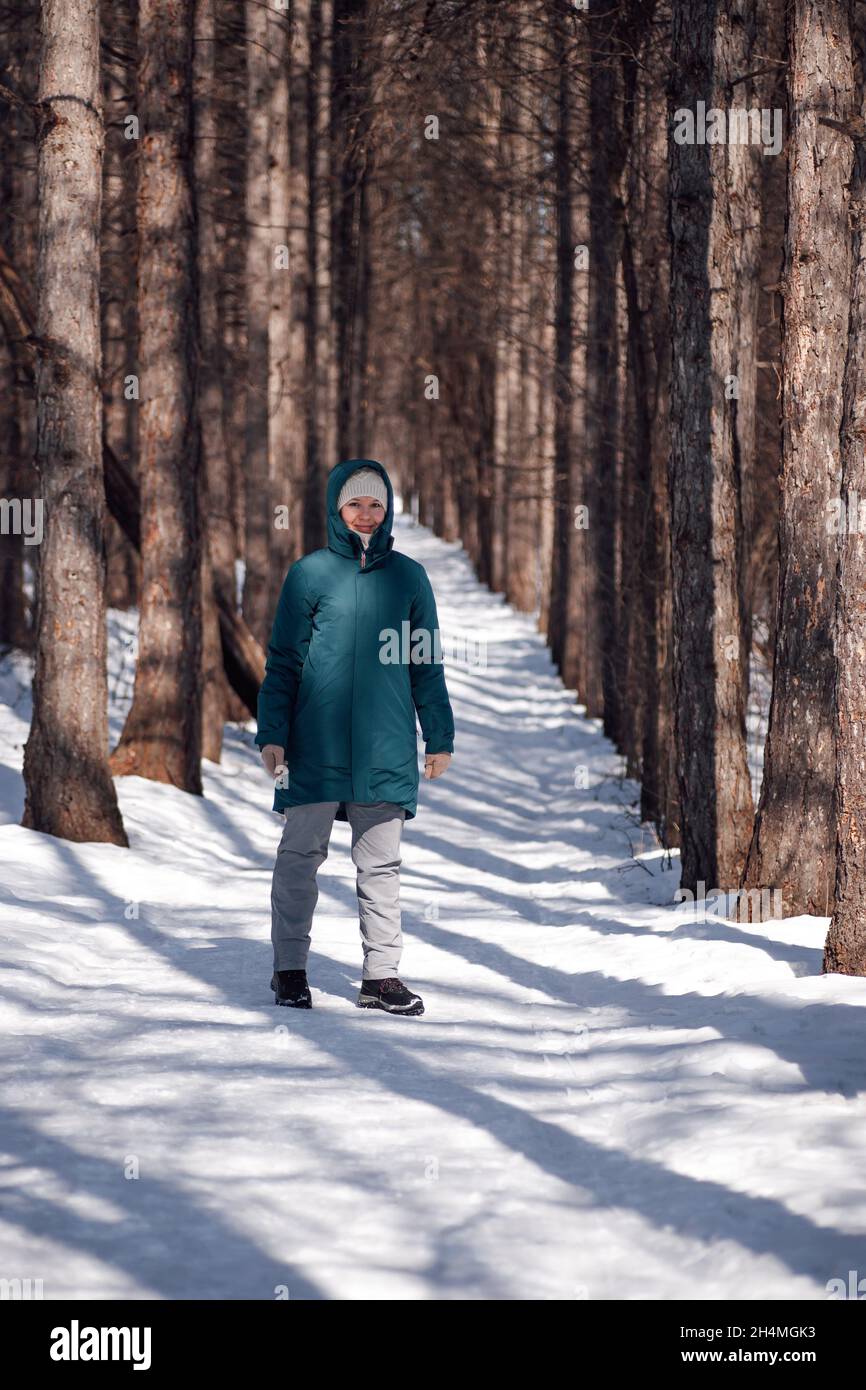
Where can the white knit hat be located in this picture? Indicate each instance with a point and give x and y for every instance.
(364, 482)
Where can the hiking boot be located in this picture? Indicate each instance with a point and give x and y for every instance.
(290, 987)
(390, 995)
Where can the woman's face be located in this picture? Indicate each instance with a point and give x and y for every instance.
(363, 514)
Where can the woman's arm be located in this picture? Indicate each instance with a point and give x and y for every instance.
(429, 691)
(290, 638)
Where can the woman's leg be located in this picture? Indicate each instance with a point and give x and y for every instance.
(294, 890)
(376, 830)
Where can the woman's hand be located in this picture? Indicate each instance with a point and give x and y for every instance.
(435, 764)
(274, 758)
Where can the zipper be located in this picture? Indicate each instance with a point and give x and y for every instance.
(354, 666)
(361, 548)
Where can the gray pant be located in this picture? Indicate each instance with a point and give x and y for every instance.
(376, 830)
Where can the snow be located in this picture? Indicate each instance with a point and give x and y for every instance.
(609, 1096)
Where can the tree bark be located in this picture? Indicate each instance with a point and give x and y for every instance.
(845, 948)
(523, 475)
(350, 259)
(282, 407)
(162, 736)
(603, 350)
(259, 516)
(322, 337)
(762, 504)
(301, 365)
(227, 496)
(14, 624)
(634, 666)
(792, 846)
(18, 209)
(563, 641)
(119, 254)
(68, 788)
(215, 495)
(646, 575)
(712, 47)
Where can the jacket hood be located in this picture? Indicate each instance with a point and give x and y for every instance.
(341, 537)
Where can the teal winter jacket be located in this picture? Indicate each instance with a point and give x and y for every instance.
(334, 696)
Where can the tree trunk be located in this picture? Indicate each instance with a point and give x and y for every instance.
(227, 501)
(18, 211)
(282, 409)
(523, 477)
(118, 247)
(499, 267)
(162, 736)
(763, 503)
(217, 547)
(214, 686)
(646, 565)
(69, 791)
(14, 627)
(564, 444)
(479, 337)
(350, 259)
(320, 323)
(709, 253)
(259, 516)
(301, 341)
(792, 845)
(636, 561)
(845, 948)
(602, 361)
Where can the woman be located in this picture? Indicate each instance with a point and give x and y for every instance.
(352, 657)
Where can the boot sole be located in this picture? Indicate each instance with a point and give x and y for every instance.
(411, 1011)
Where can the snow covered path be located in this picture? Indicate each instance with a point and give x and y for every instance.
(608, 1097)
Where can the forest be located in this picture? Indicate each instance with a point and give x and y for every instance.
(588, 278)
